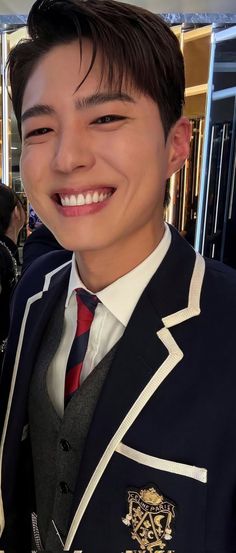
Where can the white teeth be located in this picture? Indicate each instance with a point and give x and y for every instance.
(80, 199)
(86, 199)
(95, 197)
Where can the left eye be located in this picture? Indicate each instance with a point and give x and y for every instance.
(108, 119)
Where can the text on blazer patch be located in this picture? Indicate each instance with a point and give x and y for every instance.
(150, 517)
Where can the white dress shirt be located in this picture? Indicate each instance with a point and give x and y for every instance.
(117, 302)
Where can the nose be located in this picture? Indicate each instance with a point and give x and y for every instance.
(73, 151)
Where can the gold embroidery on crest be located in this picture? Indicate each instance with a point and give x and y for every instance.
(150, 517)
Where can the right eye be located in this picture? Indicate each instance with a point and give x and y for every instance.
(38, 132)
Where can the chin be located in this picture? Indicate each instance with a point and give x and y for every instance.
(76, 245)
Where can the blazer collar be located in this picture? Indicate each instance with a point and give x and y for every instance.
(175, 289)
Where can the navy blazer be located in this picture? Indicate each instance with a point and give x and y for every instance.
(158, 472)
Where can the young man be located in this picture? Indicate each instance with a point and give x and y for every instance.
(131, 446)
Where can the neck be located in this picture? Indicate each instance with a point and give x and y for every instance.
(12, 234)
(98, 269)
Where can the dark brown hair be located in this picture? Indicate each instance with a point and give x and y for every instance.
(136, 46)
(8, 201)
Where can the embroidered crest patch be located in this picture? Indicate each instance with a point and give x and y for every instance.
(150, 518)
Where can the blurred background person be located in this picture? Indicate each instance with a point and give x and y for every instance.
(12, 220)
(34, 220)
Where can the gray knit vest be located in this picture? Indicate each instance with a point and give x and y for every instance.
(57, 445)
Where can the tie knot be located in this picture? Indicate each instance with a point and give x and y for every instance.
(89, 300)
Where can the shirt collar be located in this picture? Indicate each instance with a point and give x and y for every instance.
(129, 287)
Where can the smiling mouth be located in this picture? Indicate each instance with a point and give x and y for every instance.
(85, 198)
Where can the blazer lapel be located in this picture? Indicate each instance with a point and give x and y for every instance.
(34, 319)
(146, 355)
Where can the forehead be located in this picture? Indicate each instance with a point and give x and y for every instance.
(65, 69)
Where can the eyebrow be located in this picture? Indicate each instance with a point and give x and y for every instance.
(102, 98)
(37, 110)
(80, 104)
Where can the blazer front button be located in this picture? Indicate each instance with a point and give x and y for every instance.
(64, 488)
(65, 446)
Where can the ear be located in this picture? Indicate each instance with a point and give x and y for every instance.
(18, 216)
(178, 143)
(15, 213)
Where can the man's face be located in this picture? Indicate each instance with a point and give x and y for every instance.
(93, 164)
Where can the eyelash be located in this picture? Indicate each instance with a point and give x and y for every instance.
(38, 132)
(111, 118)
(105, 119)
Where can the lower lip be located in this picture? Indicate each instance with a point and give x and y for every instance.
(78, 210)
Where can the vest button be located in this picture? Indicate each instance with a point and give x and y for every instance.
(64, 488)
(65, 446)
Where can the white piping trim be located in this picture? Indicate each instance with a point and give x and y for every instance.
(182, 469)
(193, 308)
(175, 355)
(29, 303)
(49, 276)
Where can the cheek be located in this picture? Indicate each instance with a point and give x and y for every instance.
(26, 166)
(128, 158)
(32, 170)
(146, 157)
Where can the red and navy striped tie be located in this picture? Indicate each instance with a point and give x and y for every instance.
(86, 305)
